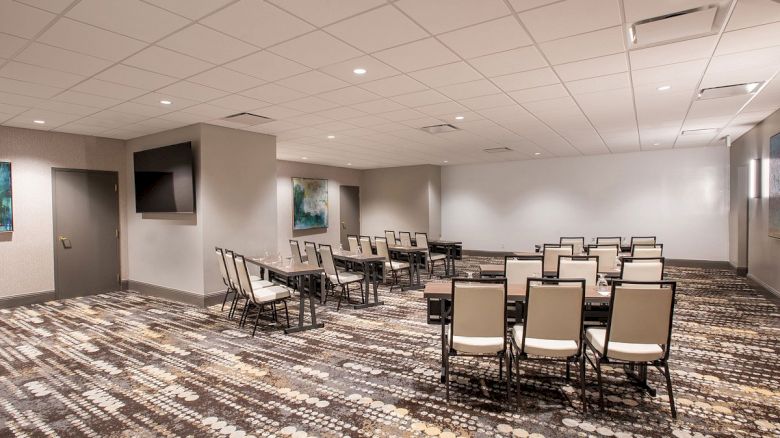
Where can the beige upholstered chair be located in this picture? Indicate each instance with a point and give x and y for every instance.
(518, 268)
(257, 297)
(336, 278)
(647, 250)
(609, 241)
(390, 237)
(638, 332)
(646, 240)
(607, 255)
(312, 257)
(295, 251)
(644, 269)
(574, 267)
(551, 253)
(430, 257)
(229, 289)
(577, 242)
(354, 244)
(365, 246)
(556, 338)
(477, 323)
(255, 280)
(390, 265)
(406, 238)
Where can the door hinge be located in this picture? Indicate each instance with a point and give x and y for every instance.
(117, 233)
(118, 278)
(116, 187)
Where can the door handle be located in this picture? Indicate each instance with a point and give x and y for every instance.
(65, 242)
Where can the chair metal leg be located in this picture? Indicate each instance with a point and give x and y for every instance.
(224, 300)
(582, 382)
(568, 370)
(517, 372)
(501, 367)
(601, 386)
(286, 313)
(447, 376)
(669, 389)
(257, 318)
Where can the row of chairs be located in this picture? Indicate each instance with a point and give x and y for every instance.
(607, 254)
(248, 291)
(579, 242)
(420, 240)
(518, 268)
(637, 332)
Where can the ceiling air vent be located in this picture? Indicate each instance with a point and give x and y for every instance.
(497, 150)
(247, 119)
(699, 131)
(678, 25)
(729, 90)
(438, 129)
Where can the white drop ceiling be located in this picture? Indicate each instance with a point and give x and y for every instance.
(543, 78)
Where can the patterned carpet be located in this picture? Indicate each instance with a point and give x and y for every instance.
(126, 365)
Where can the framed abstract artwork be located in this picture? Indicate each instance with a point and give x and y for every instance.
(6, 199)
(774, 186)
(310, 203)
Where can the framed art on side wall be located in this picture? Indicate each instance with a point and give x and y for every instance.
(310, 203)
(6, 199)
(774, 186)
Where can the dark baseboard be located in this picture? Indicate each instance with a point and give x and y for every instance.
(25, 299)
(154, 290)
(214, 298)
(483, 253)
(687, 263)
(742, 272)
(760, 285)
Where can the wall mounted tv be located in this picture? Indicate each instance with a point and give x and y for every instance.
(164, 180)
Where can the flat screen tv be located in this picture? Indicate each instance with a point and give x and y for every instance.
(164, 180)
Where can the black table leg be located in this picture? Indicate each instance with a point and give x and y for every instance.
(310, 279)
(371, 268)
(442, 319)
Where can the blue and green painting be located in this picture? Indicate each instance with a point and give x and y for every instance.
(310, 203)
(6, 200)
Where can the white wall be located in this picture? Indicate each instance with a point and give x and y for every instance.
(681, 196)
(27, 254)
(336, 176)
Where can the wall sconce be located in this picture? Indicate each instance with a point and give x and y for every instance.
(754, 178)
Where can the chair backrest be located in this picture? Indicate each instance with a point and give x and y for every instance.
(609, 241)
(311, 253)
(607, 255)
(295, 250)
(326, 256)
(551, 253)
(354, 245)
(584, 267)
(644, 269)
(643, 240)
(478, 308)
(422, 240)
(390, 237)
(381, 248)
(647, 250)
(563, 298)
(365, 245)
(518, 268)
(405, 237)
(641, 315)
(244, 285)
(222, 266)
(230, 264)
(577, 242)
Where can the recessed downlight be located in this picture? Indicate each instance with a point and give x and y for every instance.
(304, 158)
(656, 144)
(166, 102)
(39, 122)
(331, 137)
(349, 164)
(459, 117)
(537, 154)
(359, 71)
(445, 161)
(664, 87)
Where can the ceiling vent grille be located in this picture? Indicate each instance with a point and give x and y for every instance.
(699, 131)
(438, 129)
(679, 25)
(500, 150)
(729, 90)
(247, 119)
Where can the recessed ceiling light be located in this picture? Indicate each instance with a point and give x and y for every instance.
(537, 153)
(331, 137)
(304, 158)
(349, 164)
(664, 87)
(359, 71)
(459, 117)
(39, 122)
(445, 161)
(166, 102)
(656, 144)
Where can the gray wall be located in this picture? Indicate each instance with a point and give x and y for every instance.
(27, 254)
(763, 252)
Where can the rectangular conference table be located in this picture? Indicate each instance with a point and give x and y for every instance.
(371, 265)
(450, 253)
(442, 291)
(414, 253)
(305, 275)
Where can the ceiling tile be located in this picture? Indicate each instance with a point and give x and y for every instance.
(134, 77)
(192, 91)
(417, 55)
(375, 69)
(131, 18)
(206, 44)
(447, 74)
(674, 52)
(59, 59)
(438, 109)
(748, 39)
(90, 40)
(273, 93)
(527, 79)
(443, 15)
(238, 102)
(55, 6)
(313, 82)
(242, 20)
(139, 109)
(10, 44)
(494, 36)
(87, 99)
(226, 80)
(601, 83)
(108, 89)
(192, 9)
(266, 65)
(277, 112)
(753, 13)
(522, 5)
(349, 96)
(743, 67)
(310, 104)
(315, 50)
(566, 18)
(485, 102)
(511, 61)
(22, 20)
(378, 106)
(590, 68)
(641, 9)
(539, 93)
(39, 75)
(402, 115)
(27, 89)
(324, 12)
(167, 62)
(589, 45)
(377, 29)
(394, 86)
(466, 90)
(341, 113)
(52, 118)
(420, 98)
(209, 111)
(177, 102)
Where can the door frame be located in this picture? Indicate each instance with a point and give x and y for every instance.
(55, 240)
(341, 220)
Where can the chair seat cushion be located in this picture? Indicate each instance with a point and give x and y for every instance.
(271, 293)
(435, 256)
(477, 345)
(396, 265)
(346, 277)
(254, 278)
(621, 350)
(257, 284)
(545, 347)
